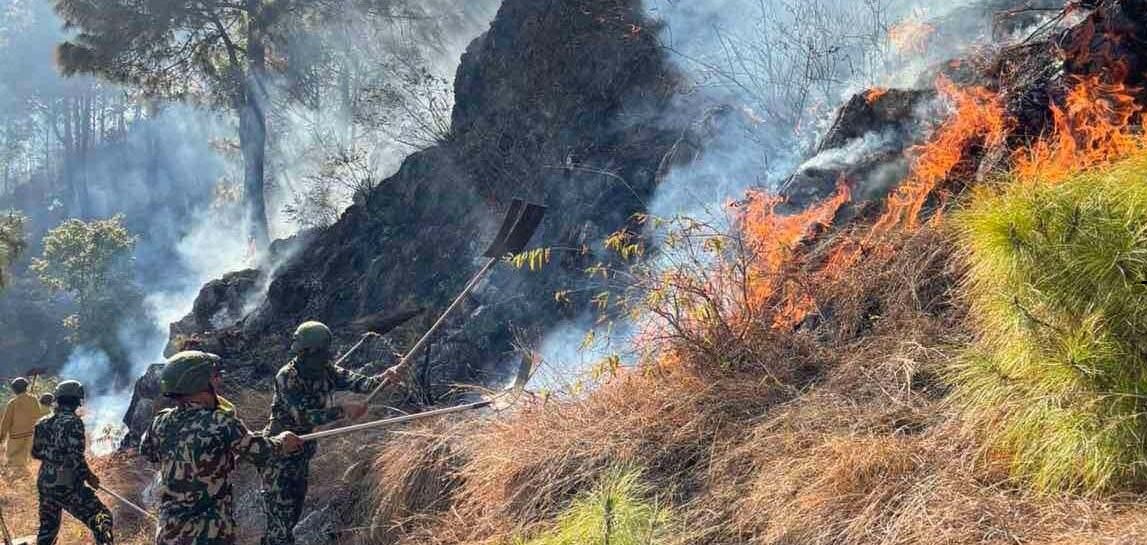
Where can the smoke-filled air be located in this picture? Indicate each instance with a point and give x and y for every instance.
(556, 272)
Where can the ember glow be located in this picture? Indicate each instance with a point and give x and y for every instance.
(874, 94)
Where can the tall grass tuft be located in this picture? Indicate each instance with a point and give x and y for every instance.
(615, 512)
(1058, 374)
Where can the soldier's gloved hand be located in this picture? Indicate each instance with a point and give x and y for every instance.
(290, 441)
(93, 481)
(354, 411)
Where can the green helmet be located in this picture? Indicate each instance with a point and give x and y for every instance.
(311, 336)
(70, 388)
(188, 373)
(19, 385)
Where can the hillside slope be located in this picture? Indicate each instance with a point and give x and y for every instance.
(563, 103)
(805, 394)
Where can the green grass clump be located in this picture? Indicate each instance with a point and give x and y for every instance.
(1058, 374)
(615, 512)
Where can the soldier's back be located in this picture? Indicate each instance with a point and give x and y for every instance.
(58, 442)
(197, 448)
(192, 447)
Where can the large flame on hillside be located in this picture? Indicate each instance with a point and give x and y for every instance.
(1093, 126)
(978, 119)
(771, 239)
(1096, 122)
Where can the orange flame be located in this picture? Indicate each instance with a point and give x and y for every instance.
(978, 118)
(910, 36)
(1094, 126)
(771, 239)
(844, 255)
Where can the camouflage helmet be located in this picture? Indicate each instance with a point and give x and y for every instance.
(187, 373)
(19, 384)
(70, 388)
(311, 336)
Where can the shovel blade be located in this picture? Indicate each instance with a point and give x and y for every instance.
(511, 394)
(524, 229)
(517, 228)
(508, 223)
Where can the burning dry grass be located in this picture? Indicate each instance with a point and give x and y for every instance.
(866, 450)
(729, 446)
(1096, 124)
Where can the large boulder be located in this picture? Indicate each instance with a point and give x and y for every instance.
(561, 102)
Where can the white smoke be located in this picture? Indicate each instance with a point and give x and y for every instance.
(775, 72)
(856, 151)
(201, 170)
(567, 354)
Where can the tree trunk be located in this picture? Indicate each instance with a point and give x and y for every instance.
(253, 130)
(83, 196)
(67, 165)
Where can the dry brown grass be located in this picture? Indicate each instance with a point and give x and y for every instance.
(866, 451)
(20, 503)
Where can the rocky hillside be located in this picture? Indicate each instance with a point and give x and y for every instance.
(561, 102)
(811, 394)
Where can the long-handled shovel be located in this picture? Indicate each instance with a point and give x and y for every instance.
(377, 325)
(522, 219)
(129, 503)
(501, 400)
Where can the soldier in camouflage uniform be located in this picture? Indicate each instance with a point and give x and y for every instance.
(197, 445)
(59, 443)
(303, 399)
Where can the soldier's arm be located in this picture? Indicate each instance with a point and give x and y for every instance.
(147, 445)
(291, 400)
(37, 443)
(355, 382)
(252, 447)
(75, 443)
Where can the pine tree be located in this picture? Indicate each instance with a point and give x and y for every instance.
(214, 50)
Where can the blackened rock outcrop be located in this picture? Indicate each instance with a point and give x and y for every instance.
(220, 303)
(561, 102)
(864, 148)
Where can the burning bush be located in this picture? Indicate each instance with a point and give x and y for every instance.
(1056, 290)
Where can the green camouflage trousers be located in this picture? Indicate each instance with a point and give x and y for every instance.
(81, 503)
(202, 525)
(284, 490)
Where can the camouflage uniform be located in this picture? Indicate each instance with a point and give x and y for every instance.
(197, 448)
(59, 443)
(300, 404)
